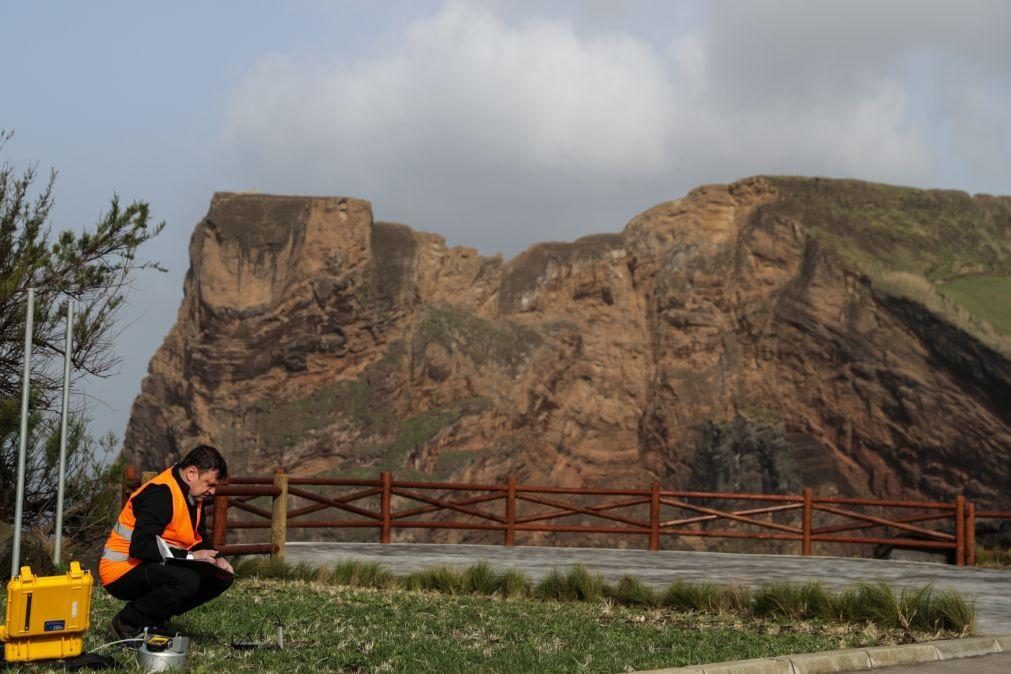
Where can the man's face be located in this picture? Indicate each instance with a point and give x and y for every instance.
(201, 484)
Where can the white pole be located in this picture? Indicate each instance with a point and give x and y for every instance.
(23, 441)
(57, 549)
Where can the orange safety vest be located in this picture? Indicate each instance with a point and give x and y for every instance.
(179, 533)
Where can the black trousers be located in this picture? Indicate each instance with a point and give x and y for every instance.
(156, 592)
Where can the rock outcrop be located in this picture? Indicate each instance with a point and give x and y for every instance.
(760, 336)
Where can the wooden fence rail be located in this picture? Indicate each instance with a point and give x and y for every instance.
(386, 504)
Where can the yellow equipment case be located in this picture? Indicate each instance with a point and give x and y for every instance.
(46, 616)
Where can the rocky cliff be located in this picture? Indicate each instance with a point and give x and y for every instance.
(759, 336)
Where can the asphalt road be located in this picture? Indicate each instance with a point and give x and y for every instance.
(989, 588)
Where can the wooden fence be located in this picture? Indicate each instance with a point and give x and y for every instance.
(653, 513)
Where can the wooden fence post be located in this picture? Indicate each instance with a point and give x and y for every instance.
(654, 516)
(220, 523)
(279, 514)
(510, 532)
(387, 497)
(129, 477)
(960, 530)
(970, 534)
(808, 516)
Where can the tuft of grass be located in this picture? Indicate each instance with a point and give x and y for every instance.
(584, 585)
(909, 609)
(878, 603)
(304, 571)
(552, 586)
(576, 585)
(706, 597)
(793, 601)
(996, 558)
(632, 592)
(734, 599)
(266, 567)
(440, 579)
(357, 574)
(686, 596)
(951, 612)
(514, 584)
(480, 579)
(845, 606)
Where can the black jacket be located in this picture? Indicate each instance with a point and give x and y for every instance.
(152, 509)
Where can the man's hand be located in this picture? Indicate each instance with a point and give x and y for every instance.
(221, 563)
(205, 555)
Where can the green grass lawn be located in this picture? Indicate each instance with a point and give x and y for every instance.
(337, 628)
(987, 297)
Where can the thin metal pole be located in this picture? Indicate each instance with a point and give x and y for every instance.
(23, 440)
(58, 548)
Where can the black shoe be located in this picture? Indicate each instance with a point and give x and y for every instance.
(122, 629)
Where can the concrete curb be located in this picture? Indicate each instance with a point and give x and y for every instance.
(853, 659)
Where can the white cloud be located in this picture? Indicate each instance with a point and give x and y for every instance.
(498, 130)
(465, 82)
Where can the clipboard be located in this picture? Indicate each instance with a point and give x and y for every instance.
(202, 567)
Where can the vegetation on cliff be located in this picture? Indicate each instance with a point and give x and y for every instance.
(945, 249)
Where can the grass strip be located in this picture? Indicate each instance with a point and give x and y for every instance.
(357, 617)
(909, 610)
(339, 628)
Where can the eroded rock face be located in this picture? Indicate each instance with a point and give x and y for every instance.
(721, 341)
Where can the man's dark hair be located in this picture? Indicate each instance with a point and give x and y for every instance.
(205, 457)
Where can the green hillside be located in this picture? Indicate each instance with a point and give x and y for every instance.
(988, 297)
(947, 249)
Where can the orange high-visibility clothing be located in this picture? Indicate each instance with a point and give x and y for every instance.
(179, 533)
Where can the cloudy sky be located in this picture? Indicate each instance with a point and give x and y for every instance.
(494, 123)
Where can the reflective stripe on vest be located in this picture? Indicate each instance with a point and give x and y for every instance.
(123, 530)
(114, 556)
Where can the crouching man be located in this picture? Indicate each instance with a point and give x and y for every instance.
(133, 566)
